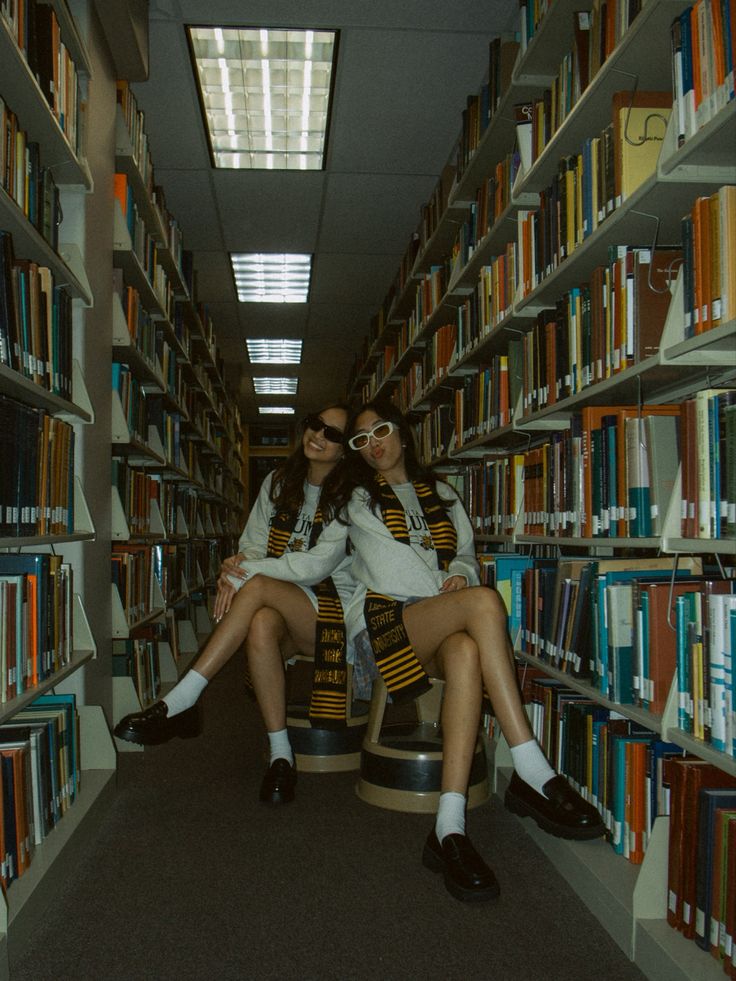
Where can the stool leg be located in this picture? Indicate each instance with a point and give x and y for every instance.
(430, 703)
(377, 711)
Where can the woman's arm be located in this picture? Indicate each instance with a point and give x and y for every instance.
(304, 568)
(254, 539)
(465, 563)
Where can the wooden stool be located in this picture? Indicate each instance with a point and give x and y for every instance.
(326, 750)
(401, 762)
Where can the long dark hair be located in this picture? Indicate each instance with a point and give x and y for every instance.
(287, 485)
(355, 472)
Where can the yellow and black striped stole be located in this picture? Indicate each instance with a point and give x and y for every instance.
(396, 659)
(328, 705)
(329, 702)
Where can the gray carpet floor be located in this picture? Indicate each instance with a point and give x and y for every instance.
(189, 877)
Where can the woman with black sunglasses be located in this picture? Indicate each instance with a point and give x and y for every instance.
(276, 618)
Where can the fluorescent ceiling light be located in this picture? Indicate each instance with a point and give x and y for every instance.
(271, 277)
(275, 410)
(275, 386)
(265, 94)
(274, 351)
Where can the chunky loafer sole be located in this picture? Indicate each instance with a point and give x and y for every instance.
(541, 810)
(153, 727)
(480, 893)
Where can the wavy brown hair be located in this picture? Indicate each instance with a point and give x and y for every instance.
(287, 485)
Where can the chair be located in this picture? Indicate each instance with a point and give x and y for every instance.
(324, 750)
(401, 762)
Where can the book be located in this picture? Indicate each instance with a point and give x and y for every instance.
(639, 123)
(710, 800)
(687, 778)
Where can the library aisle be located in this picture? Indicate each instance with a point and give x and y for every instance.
(190, 877)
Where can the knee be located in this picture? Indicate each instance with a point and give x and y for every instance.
(463, 658)
(263, 627)
(487, 602)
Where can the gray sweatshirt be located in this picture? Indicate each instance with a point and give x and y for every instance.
(254, 540)
(379, 562)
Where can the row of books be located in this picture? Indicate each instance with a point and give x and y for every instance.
(35, 322)
(434, 433)
(591, 184)
(609, 475)
(133, 400)
(134, 121)
(144, 244)
(490, 302)
(35, 28)
(485, 402)
(28, 181)
(608, 22)
(709, 269)
(706, 645)
(708, 453)
(41, 773)
(702, 63)
(136, 489)
(36, 614)
(492, 198)
(599, 328)
(701, 871)
(37, 486)
(481, 106)
(611, 621)
(614, 763)
(133, 575)
(138, 658)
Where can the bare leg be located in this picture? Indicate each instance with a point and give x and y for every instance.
(292, 603)
(459, 664)
(268, 644)
(479, 612)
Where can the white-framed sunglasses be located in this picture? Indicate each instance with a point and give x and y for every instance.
(379, 432)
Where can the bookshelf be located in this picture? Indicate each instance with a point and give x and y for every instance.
(62, 155)
(630, 901)
(176, 442)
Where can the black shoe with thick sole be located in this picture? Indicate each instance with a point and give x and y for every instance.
(467, 877)
(153, 725)
(560, 811)
(279, 783)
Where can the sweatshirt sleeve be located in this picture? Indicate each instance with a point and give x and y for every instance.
(465, 562)
(304, 568)
(254, 539)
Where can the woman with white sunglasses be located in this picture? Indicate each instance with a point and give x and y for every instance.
(418, 611)
(277, 617)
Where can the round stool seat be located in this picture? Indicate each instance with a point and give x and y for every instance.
(325, 750)
(403, 771)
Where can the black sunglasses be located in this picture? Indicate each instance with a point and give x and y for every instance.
(316, 424)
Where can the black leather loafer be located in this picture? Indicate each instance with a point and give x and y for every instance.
(560, 811)
(278, 783)
(467, 877)
(154, 726)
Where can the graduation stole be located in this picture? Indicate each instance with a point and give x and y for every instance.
(328, 704)
(396, 659)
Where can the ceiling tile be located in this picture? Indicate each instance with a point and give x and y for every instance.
(269, 211)
(373, 212)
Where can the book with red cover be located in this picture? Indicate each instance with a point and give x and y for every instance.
(686, 779)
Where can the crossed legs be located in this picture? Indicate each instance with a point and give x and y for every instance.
(462, 636)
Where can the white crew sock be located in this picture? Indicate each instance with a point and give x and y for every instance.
(450, 815)
(185, 694)
(531, 764)
(280, 746)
